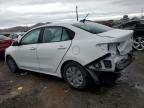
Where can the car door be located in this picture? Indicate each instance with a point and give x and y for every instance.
(55, 43)
(27, 50)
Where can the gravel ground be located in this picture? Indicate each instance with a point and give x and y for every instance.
(35, 90)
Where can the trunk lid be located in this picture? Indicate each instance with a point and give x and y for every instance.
(117, 33)
(122, 37)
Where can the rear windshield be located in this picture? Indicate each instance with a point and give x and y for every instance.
(2, 37)
(92, 27)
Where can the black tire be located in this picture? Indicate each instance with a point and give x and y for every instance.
(12, 65)
(85, 83)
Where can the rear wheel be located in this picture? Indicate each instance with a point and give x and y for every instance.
(76, 76)
(138, 43)
(12, 65)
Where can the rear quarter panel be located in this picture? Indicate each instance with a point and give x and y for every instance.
(83, 50)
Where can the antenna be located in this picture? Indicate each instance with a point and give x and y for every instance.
(77, 12)
(85, 18)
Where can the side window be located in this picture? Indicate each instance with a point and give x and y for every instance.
(52, 34)
(65, 35)
(31, 37)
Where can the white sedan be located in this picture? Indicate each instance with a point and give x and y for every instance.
(78, 52)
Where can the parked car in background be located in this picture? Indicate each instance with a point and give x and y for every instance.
(7, 34)
(78, 52)
(138, 37)
(15, 36)
(5, 42)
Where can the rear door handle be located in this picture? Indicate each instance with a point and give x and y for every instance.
(62, 47)
(32, 48)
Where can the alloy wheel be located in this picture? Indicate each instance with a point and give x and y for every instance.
(74, 76)
(138, 43)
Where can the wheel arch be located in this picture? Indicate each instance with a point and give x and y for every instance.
(8, 55)
(64, 63)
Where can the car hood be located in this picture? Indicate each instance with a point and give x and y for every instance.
(117, 34)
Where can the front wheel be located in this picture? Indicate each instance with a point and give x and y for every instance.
(12, 65)
(76, 76)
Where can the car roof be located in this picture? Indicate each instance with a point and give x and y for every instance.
(55, 24)
(59, 24)
(68, 24)
(51, 24)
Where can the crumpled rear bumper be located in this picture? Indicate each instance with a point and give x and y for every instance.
(111, 63)
(123, 63)
(109, 66)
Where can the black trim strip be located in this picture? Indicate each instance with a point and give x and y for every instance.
(99, 59)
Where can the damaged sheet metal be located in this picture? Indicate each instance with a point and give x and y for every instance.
(116, 36)
(125, 47)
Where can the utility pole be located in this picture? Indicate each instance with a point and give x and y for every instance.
(77, 12)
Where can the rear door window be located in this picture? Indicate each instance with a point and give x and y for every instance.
(55, 34)
(52, 34)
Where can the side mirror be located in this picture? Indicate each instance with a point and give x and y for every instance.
(15, 43)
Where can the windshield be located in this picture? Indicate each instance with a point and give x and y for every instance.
(92, 27)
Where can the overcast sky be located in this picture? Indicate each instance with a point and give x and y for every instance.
(26, 12)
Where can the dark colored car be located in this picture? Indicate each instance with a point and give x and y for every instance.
(138, 36)
(5, 42)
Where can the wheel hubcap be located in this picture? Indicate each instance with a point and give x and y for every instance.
(74, 76)
(139, 43)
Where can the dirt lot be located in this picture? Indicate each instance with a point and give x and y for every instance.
(42, 91)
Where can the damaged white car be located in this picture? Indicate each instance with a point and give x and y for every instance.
(79, 52)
